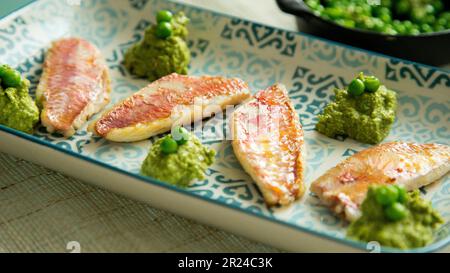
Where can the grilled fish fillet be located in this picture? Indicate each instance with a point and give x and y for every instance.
(74, 85)
(173, 99)
(268, 142)
(412, 165)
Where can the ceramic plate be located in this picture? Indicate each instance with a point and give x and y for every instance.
(223, 45)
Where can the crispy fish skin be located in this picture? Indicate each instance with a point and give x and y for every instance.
(268, 142)
(412, 165)
(75, 85)
(172, 99)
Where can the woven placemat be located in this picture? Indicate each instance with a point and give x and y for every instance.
(45, 211)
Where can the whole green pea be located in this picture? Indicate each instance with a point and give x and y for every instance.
(441, 21)
(10, 77)
(379, 25)
(390, 30)
(334, 13)
(385, 17)
(371, 84)
(414, 31)
(356, 87)
(312, 3)
(164, 16)
(429, 9)
(426, 28)
(418, 15)
(164, 30)
(168, 145)
(386, 195)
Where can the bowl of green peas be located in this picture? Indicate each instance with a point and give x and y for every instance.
(417, 30)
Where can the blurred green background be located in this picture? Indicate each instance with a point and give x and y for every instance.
(8, 6)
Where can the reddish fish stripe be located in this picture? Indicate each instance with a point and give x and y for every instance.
(157, 100)
(73, 76)
(268, 137)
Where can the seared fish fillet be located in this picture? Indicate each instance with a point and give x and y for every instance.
(412, 165)
(74, 85)
(173, 99)
(268, 142)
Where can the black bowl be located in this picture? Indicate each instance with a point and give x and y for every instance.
(429, 48)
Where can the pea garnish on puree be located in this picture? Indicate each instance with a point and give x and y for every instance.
(364, 111)
(163, 50)
(17, 109)
(395, 218)
(178, 158)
